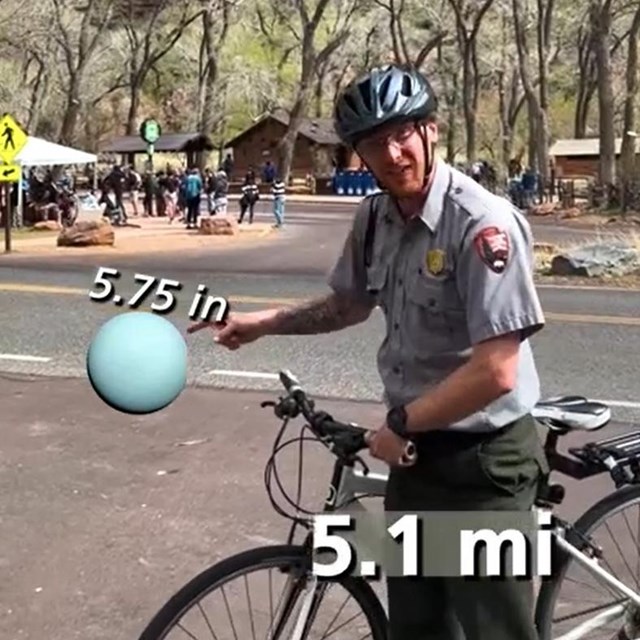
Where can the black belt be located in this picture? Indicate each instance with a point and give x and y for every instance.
(441, 442)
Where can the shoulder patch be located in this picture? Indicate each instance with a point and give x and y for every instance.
(493, 246)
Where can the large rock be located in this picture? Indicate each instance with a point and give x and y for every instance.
(87, 233)
(596, 260)
(544, 209)
(545, 248)
(215, 226)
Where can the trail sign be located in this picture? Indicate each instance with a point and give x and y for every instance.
(12, 138)
(10, 173)
(150, 130)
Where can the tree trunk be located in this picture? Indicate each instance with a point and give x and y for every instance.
(71, 111)
(207, 121)
(628, 151)
(587, 83)
(209, 77)
(545, 16)
(467, 102)
(538, 126)
(601, 25)
(532, 146)
(452, 118)
(38, 93)
(297, 114)
(318, 90)
(135, 87)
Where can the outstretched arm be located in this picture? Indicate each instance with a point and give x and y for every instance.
(320, 315)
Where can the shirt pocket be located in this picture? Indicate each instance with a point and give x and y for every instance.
(436, 312)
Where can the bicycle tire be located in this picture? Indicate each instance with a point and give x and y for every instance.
(277, 555)
(595, 515)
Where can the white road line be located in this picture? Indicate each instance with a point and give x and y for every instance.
(23, 358)
(244, 374)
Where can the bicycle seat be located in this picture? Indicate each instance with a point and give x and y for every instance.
(575, 413)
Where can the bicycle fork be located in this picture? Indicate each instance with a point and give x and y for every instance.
(313, 593)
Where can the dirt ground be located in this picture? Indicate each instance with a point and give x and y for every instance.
(148, 236)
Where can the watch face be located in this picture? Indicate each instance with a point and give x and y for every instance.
(396, 419)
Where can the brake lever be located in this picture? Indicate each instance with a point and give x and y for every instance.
(365, 466)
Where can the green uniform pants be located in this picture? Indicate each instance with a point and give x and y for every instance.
(467, 472)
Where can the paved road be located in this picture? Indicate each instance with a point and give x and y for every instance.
(586, 347)
(105, 516)
(307, 246)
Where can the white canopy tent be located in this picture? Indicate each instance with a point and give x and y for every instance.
(38, 152)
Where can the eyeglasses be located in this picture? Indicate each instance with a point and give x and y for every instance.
(399, 137)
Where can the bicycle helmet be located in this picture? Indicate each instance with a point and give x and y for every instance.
(386, 94)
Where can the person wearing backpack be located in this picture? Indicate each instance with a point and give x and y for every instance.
(193, 195)
(220, 191)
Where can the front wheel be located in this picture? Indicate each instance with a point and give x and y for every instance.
(239, 598)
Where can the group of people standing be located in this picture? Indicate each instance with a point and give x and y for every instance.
(176, 193)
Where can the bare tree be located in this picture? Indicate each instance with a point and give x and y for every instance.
(511, 96)
(468, 18)
(308, 20)
(78, 46)
(537, 103)
(601, 26)
(216, 17)
(150, 36)
(628, 151)
(587, 65)
(397, 28)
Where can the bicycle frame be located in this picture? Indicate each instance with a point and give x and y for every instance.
(348, 483)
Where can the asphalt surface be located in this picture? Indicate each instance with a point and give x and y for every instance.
(307, 246)
(106, 515)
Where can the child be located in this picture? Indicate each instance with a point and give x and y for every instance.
(278, 190)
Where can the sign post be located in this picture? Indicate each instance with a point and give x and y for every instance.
(150, 132)
(12, 140)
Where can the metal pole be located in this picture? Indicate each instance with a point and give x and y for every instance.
(7, 218)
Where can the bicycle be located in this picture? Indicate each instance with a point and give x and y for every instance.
(574, 543)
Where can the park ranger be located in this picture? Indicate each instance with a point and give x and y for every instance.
(450, 266)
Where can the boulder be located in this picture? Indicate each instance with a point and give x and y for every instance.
(596, 260)
(545, 248)
(215, 226)
(544, 209)
(87, 233)
(47, 225)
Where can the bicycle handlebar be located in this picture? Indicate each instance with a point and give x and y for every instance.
(346, 439)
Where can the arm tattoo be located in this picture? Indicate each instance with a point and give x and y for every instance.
(322, 315)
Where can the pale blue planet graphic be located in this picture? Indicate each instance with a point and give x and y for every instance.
(137, 362)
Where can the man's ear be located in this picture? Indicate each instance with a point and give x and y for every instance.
(433, 131)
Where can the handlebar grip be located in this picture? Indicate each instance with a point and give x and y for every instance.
(410, 455)
(408, 458)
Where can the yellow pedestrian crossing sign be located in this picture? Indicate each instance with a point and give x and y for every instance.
(12, 138)
(9, 173)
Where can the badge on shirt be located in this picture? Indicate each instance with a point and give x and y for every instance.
(492, 245)
(435, 261)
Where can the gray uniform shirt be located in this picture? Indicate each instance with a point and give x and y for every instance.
(458, 274)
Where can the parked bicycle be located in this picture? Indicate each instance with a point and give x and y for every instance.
(298, 612)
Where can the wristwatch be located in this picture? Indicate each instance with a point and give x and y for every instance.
(397, 421)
